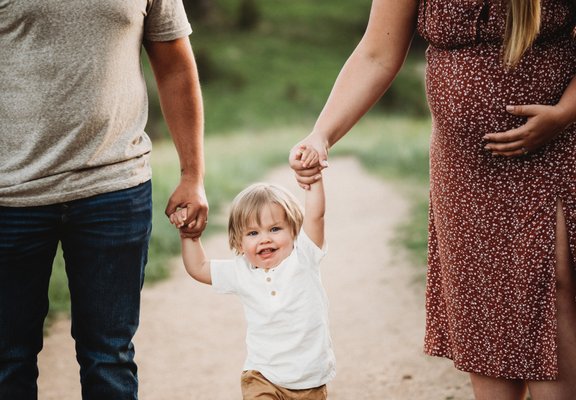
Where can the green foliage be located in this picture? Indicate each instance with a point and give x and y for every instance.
(248, 15)
(281, 70)
(58, 293)
(394, 147)
(413, 233)
(406, 95)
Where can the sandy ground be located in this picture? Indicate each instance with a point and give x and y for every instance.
(190, 344)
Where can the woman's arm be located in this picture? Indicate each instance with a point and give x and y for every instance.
(365, 76)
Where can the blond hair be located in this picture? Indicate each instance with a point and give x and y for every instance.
(522, 27)
(249, 203)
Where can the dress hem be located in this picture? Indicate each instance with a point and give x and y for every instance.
(492, 375)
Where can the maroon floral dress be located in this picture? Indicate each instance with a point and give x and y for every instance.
(491, 297)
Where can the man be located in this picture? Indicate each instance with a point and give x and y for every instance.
(74, 169)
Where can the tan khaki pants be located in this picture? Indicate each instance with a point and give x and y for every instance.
(256, 387)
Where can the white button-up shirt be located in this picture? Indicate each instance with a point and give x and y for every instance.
(286, 310)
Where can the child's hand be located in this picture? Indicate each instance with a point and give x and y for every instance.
(309, 156)
(178, 217)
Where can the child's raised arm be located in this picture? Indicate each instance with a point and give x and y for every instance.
(195, 261)
(315, 202)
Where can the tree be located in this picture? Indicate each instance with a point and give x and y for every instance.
(200, 10)
(248, 15)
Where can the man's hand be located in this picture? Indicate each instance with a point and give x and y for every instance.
(191, 196)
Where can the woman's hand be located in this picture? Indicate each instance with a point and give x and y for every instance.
(543, 124)
(307, 167)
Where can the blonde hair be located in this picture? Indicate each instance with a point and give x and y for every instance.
(248, 204)
(522, 27)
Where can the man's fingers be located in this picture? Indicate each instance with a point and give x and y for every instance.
(189, 235)
(170, 208)
(197, 219)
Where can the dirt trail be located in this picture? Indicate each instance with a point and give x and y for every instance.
(190, 344)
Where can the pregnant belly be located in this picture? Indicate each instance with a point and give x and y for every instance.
(468, 89)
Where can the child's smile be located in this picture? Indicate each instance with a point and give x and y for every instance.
(266, 252)
(267, 244)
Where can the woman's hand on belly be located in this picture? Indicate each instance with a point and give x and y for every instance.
(543, 124)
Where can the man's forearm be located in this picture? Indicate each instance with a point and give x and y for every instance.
(181, 100)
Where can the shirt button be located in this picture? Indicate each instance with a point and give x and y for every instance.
(273, 293)
(268, 279)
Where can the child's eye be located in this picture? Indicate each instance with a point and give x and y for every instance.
(252, 233)
(276, 229)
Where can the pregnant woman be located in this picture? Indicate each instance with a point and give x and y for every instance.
(502, 234)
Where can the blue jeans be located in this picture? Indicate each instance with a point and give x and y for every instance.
(105, 244)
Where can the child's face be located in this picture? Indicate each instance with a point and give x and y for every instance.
(268, 244)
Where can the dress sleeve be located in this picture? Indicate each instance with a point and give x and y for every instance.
(166, 20)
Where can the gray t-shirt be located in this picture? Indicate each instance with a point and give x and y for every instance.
(73, 103)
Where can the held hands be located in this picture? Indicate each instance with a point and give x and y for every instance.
(178, 219)
(188, 202)
(543, 124)
(308, 158)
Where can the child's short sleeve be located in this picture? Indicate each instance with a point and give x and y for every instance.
(224, 275)
(166, 20)
(308, 250)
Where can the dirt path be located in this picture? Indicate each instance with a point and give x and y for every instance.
(190, 344)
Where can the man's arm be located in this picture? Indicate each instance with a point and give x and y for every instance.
(181, 100)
